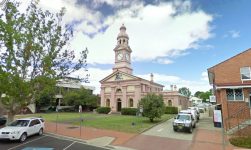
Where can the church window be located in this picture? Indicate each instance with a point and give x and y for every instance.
(123, 41)
(118, 90)
(108, 103)
(170, 103)
(130, 102)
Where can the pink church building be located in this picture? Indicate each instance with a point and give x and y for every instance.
(121, 88)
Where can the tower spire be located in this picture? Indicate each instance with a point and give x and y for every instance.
(123, 52)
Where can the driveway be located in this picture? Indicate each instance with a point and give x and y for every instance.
(205, 136)
(166, 130)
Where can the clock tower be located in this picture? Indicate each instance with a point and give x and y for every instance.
(122, 52)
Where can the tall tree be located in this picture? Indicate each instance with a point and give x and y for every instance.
(153, 106)
(185, 91)
(34, 54)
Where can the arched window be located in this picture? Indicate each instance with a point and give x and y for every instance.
(123, 41)
(170, 103)
(108, 103)
(118, 90)
(130, 102)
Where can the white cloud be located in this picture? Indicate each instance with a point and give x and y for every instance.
(204, 76)
(115, 3)
(232, 34)
(164, 30)
(154, 31)
(164, 61)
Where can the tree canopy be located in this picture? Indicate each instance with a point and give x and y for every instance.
(82, 97)
(185, 91)
(203, 95)
(153, 106)
(34, 54)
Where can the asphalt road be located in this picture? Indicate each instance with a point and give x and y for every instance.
(47, 142)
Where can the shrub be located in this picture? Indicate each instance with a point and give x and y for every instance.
(153, 106)
(103, 110)
(129, 111)
(171, 110)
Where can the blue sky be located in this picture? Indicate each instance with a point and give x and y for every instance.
(175, 40)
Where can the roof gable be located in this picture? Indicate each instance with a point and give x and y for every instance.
(118, 76)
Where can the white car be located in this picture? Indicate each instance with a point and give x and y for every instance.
(190, 111)
(20, 129)
(184, 121)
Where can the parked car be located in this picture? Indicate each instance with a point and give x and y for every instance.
(184, 122)
(201, 110)
(191, 111)
(197, 111)
(2, 120)
(20, 129)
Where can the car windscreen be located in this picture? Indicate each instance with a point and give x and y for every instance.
(19, 123)
(183, 117)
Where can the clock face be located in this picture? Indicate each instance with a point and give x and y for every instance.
(127, 57)
(120, 56)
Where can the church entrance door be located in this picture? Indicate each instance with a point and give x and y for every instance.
(118, 104)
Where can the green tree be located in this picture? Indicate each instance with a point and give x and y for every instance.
(185, 91)
(205, 95)
(34, 54)
(197, 94)
(82, 97)
(153, 106)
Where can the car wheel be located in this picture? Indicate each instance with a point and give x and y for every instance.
(41, 131)
(191, 129)
(23, 137)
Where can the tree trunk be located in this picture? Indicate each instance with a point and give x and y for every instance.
(151, 119)
(11, 116)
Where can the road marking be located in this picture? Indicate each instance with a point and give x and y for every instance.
(160, 130)
(27, 142)
(69, 145)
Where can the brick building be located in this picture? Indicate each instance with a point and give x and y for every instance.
(231, 80)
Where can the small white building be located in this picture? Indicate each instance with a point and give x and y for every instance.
(196, 100)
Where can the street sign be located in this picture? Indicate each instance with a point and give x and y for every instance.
(80, 108)
(141, 109)
(217, 116)
(212, 99)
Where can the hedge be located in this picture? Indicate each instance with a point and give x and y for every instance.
(103, 110)
(129, 111)
(171, 110)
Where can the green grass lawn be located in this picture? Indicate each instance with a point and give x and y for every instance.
(244, 142)
(112, 122)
